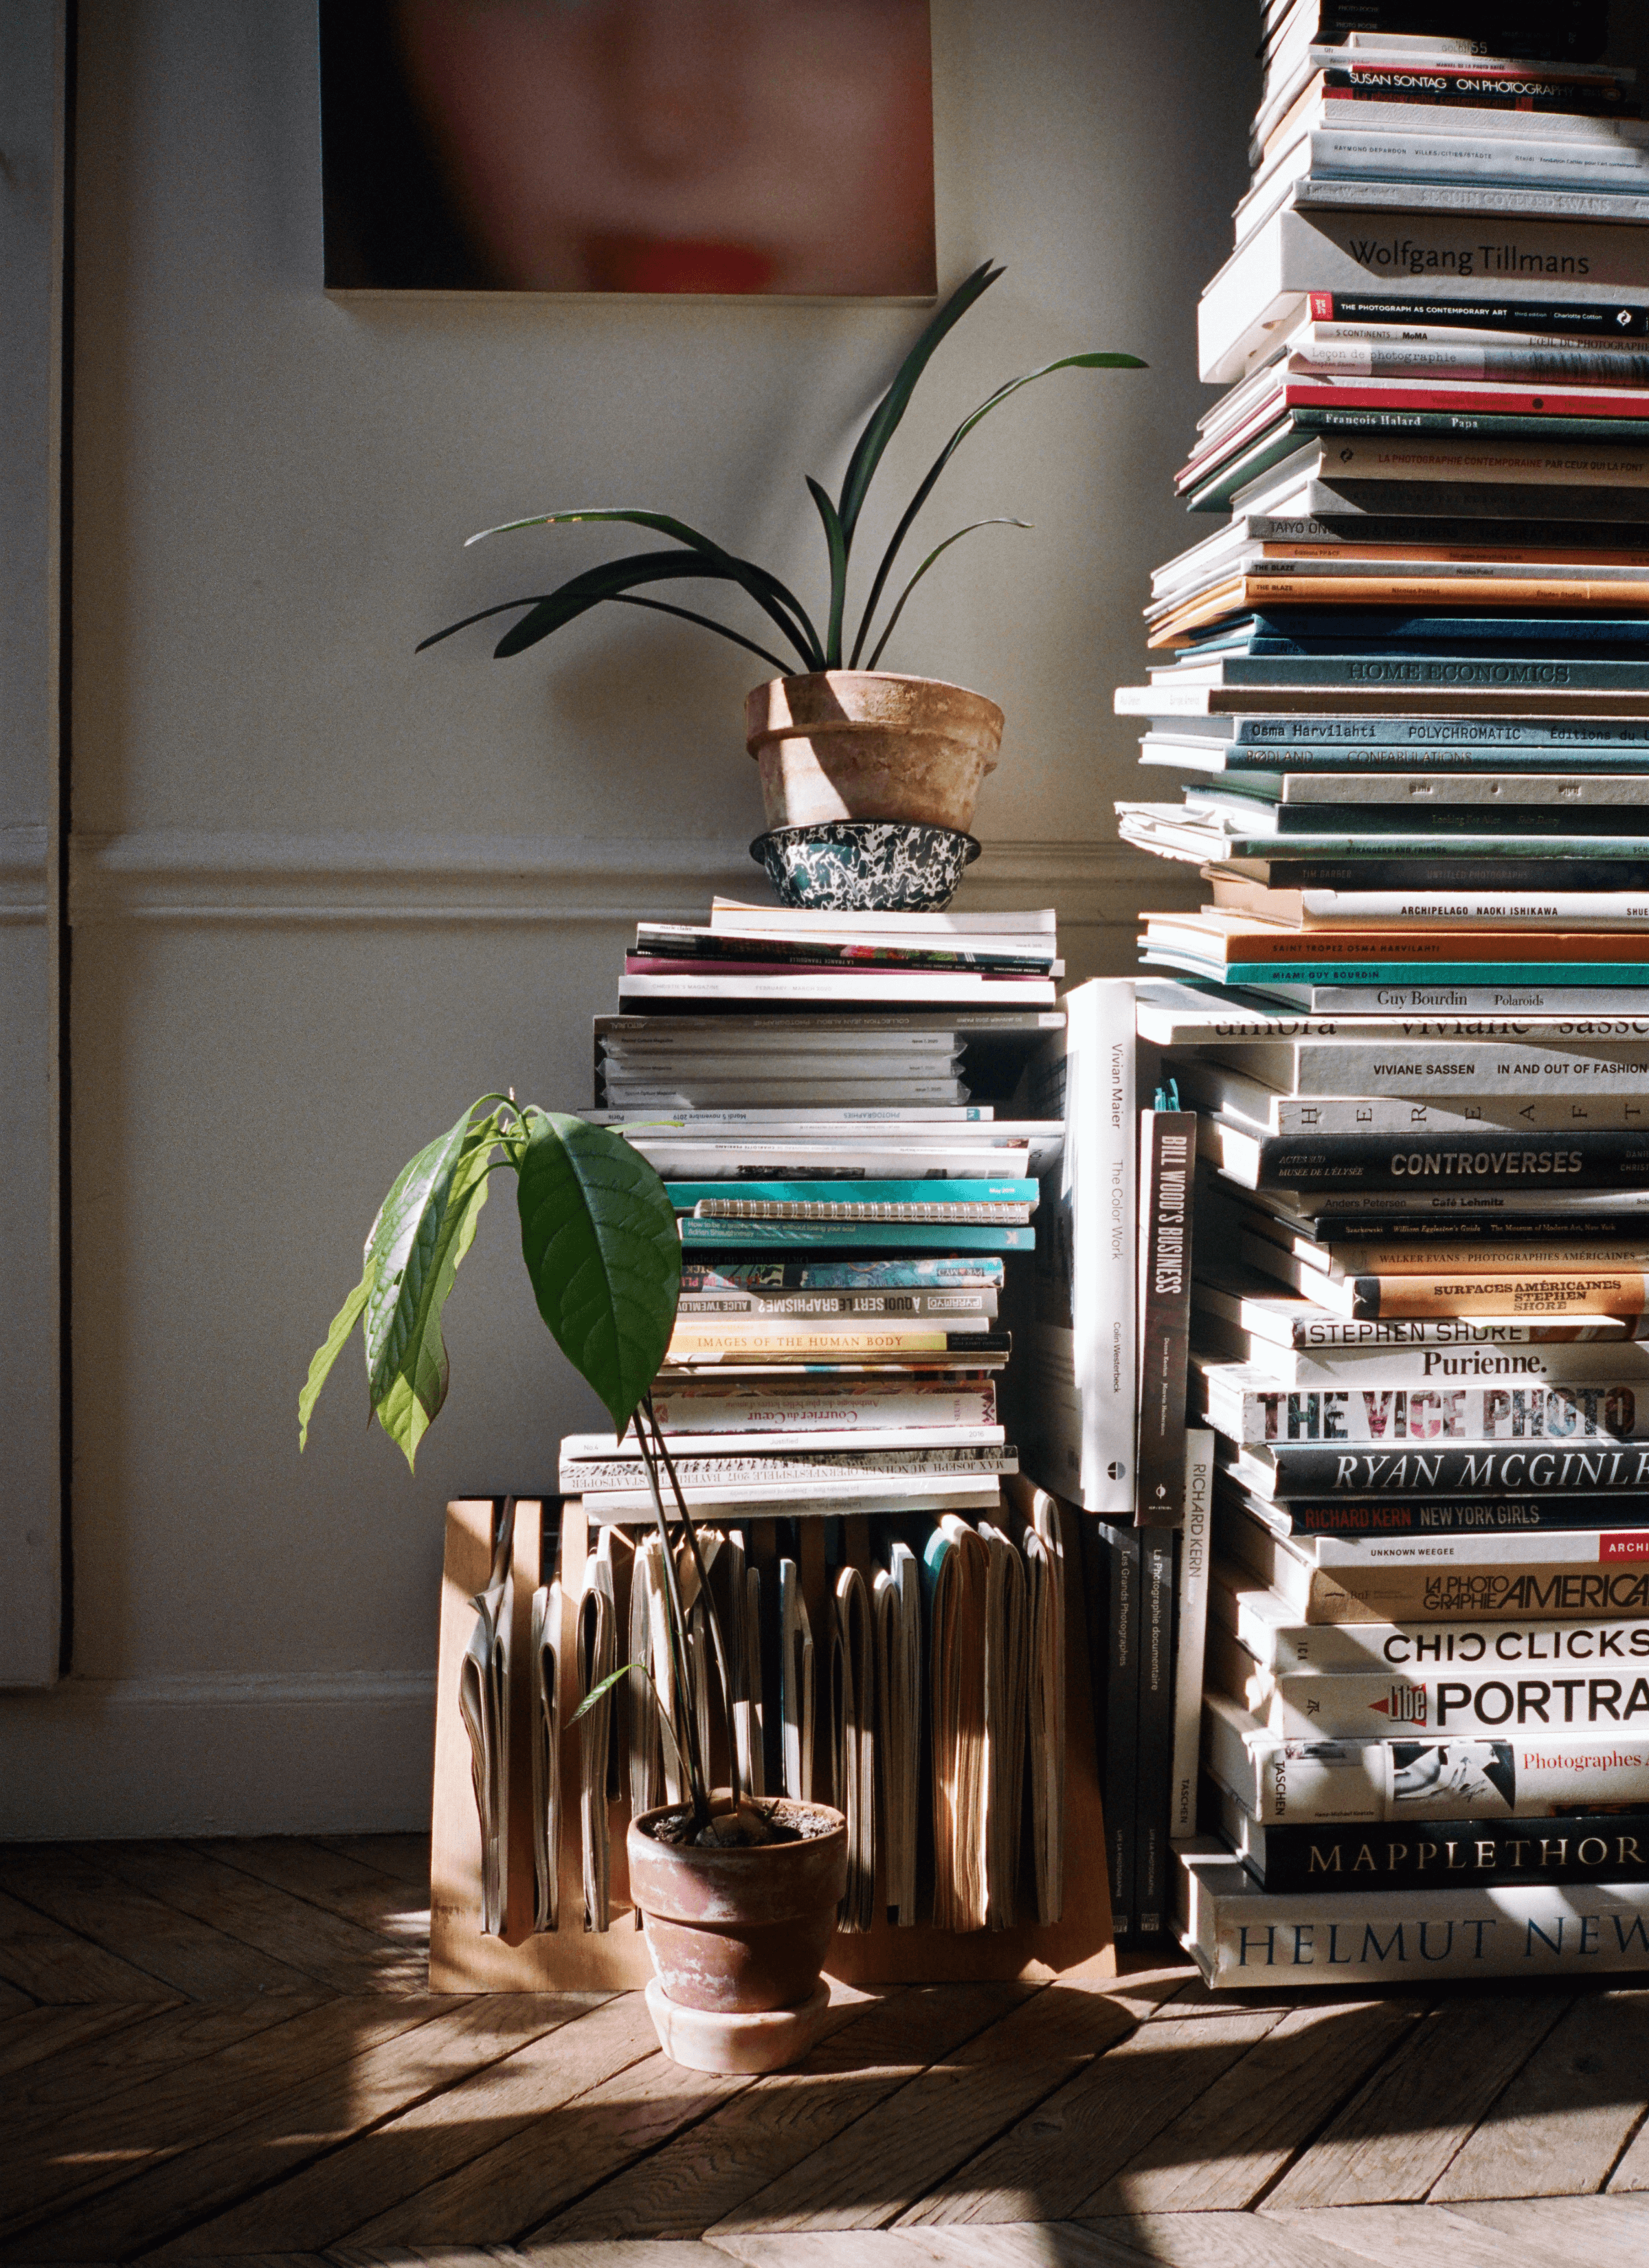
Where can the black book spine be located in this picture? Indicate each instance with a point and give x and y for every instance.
(1438, 1163)
(1453, 1513)
(1153, 1789)
(1111, 1557)
(1168, 1142)
(1610, 1846)
(1569, 318)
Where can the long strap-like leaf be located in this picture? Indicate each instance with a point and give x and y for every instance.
(883, 422)
(1066, 362)
(893, 619)
(835, 541)
(775, 598)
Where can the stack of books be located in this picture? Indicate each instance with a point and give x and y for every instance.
(829, 1101)
(1413, 675)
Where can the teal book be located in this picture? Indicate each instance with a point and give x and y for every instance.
(858, 1235)
(1421, 672)
(685, 1195)
(1590, 974)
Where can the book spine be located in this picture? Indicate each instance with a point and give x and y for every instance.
(1112, 1553)
(1476, 999)
(1193, 1586)
(853, 1210)
(1153, 1798)
(1458, 673)
(870, 1236)
(1483, 197)
(684, 1195)
(691, 945)
(1309, 397)
(1582, 1062)
(796, 1308)
(690, 1409)
(1473, 1290)
(1393, 1116)
(1614, 1411)
(1467, 1704)
(767, 1279)
(1277, 1779)
(1362, 739)
(856, 1341)
(588, 1476)
(1242, 1938)
(1474, 156)
(1258, 1619)
(1167, 1151)
(1457, 1854)
(1100, 1170)
(1568, 317)
(1381, 1490)
(1509, 424)
(1386, 1162)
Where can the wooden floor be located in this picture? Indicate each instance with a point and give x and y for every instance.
(225, 2051)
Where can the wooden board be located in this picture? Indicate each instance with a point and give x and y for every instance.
(1560, 2125)
(572, 1958)
(1399, 2132)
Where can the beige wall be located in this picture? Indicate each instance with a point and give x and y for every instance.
(326, 893)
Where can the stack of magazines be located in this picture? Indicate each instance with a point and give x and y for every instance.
(830, 1100)
(1411, 673)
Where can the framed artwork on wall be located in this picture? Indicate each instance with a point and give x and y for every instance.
(769, 147)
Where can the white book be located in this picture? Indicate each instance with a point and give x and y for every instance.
(1582, 790)
(707, 1094)
(1191, 1623)
(1258, 1109)
(1243, 1938)
(1464, 1701)
(1368, 349)
(1465, 1776)
(757, 1499)
(1493, 200)
(1261, 292)
(1082, 1344)
(1179, 1015)
(862, 990)
(1288, 1370)
(603, 1449)
(939, 1119)
(1242, 1403)
(1578, 1067)
(1337, 116)
(1278, 1318)
(1168, 698)
(732, 917)
(1268, 1628)
(1473, 1000)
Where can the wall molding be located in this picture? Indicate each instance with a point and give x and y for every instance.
(306, 1752)
(22, 877)
(191, 877)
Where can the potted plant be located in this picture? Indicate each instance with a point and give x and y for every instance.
(739, 1896)
(868, 779)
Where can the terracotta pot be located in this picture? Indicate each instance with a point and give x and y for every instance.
(739, 1931)
(857, 744)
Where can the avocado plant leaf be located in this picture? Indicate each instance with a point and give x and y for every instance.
(411, 1394)
(331, 1347)
(423, 1231)
(600, 1238)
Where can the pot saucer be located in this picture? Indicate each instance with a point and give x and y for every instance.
(705, 2041)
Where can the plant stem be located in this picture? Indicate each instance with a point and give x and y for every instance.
(723, 1660)
(698, 1793)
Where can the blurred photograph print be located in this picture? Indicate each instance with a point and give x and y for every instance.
(780, 147)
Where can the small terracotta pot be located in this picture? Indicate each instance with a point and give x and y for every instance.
(858, 744)
(737, 1932)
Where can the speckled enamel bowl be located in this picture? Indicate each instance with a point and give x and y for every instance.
(865, 866)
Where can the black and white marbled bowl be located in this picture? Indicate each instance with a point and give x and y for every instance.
(865, 866)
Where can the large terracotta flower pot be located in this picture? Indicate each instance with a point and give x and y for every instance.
(739, 1931)
(858, 744)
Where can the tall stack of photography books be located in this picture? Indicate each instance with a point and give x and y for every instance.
(1409, 674)
(829, 1099)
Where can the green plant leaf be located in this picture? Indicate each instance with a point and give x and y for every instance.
(774, 597)
(600, 1238)
(326, 1354)
(937, 549)
(422, 1233)
(414, 1392)
(883, 422)
(1029, 378)
(836, 543)
(614, 1677)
